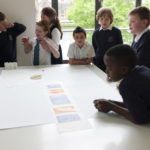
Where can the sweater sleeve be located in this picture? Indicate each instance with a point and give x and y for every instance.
(17, 29)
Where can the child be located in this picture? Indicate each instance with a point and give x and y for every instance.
(80, 52)
(49, 14)
(120, 62)
(8, 34)
(104, 37)
(42, 46)
(139, 20)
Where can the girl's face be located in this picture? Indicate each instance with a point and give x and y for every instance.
(45, 18)
(136, 25)
(40, 33)
(104, 21)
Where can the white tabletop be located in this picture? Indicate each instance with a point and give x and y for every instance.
(108, 132)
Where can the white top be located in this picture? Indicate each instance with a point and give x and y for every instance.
(109, 28)
(87, 51)
(56, 36)
(44, 55)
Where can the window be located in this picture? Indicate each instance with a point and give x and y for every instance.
(39, 4)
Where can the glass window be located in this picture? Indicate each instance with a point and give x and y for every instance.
(120, 10)
(74, 13)
(39, 4)
(146, 3)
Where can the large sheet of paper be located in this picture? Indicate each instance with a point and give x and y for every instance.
(23, 102)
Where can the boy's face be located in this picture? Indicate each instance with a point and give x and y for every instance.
(113, 70)
(40, 33)
(104, 21)
(136, 25)
(79, 39)
(3, 25)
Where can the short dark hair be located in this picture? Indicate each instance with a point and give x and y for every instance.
(143, 13)
(79, 29)
(2, 16)
(123, 54)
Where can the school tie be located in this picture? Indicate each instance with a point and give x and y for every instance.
(36, 53)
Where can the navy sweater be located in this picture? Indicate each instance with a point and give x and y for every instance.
(135, 91)
(142, 48)
(8, 43)
(102, 40)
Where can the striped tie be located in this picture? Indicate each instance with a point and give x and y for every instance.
(36, 53)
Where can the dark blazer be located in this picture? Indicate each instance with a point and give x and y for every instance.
(135, 91)
(142, 48)
(102, 40)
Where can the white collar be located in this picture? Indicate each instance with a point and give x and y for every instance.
(109, 28)
(139, 36)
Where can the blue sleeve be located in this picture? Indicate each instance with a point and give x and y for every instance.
(94, 46)
(143, 53)
(94, 42)
(135, 105)
(120, 40)
(17, 29)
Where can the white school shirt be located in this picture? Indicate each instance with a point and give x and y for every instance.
(86, 51)
(44, 55)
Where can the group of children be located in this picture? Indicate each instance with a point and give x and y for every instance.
(45, 47)
(107, 52)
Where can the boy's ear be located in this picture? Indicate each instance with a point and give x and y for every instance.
(145, 22)
(124, 70)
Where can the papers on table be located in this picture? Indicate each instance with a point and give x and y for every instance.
(67, 115)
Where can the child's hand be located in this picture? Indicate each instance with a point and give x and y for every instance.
(88, 61)
(108, 79)
(9, 25)
(25, 40)
(102, 105)
(44, 44)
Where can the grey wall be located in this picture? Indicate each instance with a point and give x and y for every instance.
(22, 11)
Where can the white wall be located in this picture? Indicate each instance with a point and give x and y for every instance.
(22, 11)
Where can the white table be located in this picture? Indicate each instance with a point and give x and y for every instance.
(109, 132)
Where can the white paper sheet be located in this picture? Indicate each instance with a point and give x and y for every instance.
(23, 102)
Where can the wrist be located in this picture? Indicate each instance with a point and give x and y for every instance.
(112, 101)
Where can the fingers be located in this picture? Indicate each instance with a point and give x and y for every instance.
(9, 25)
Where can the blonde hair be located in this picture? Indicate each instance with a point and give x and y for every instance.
(104, 12)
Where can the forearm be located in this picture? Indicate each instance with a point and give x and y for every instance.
(89, 60)
(77, 62)
(53, 49)
(27, 49)
(122, 111)
(121, 104)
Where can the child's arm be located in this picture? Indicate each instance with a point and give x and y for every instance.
(27, 44)
(106, 106)
(16, 28)
(73, 61)
(50, 47)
